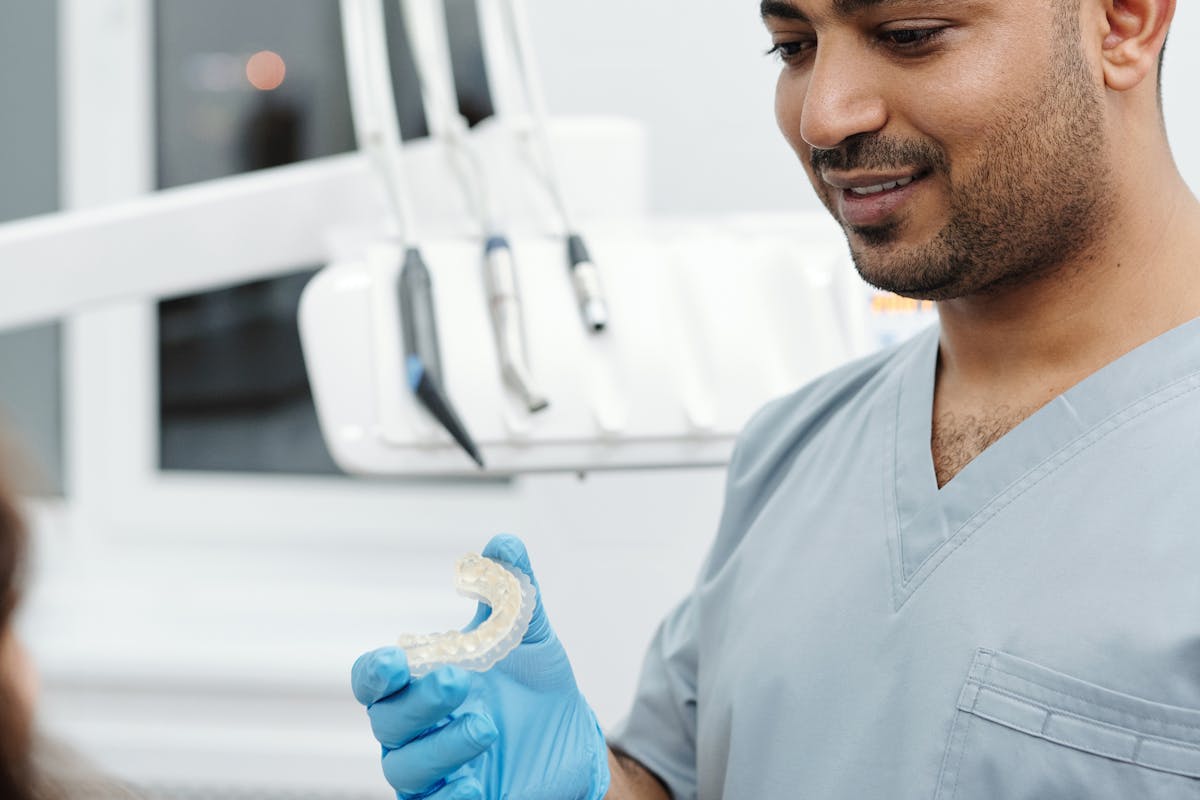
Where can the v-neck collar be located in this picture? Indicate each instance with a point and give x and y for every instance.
(926, 525)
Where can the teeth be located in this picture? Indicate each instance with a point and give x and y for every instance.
(864, 191)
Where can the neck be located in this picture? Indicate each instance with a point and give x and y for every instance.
(1138, 282)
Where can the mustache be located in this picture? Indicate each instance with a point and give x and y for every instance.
(877, 152)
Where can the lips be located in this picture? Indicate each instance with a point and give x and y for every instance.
(866, 191)
(872, 200)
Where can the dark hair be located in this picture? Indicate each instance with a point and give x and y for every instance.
(16, 774)
(1162, 58)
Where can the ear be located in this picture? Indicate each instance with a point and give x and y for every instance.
(1137, 30)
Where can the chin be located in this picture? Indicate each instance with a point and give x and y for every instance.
(875, 237)
(907, 273)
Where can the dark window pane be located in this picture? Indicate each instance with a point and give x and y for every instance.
(234, 394)
(410, 112)
(466, 56)
(29, 93)
(31, 404)
(31, 389)
(213, 122)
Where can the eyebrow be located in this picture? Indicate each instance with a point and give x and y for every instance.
(783, 9)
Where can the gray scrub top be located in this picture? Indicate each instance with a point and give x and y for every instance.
(1031, 630)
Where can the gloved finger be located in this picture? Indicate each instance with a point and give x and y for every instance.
(402, 717)
(511, 550)
(460, 789)
(379, 673)
(420, 764)
(482, 612)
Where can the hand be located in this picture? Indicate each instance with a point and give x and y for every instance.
(520, 730)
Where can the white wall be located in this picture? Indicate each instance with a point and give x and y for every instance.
(697, 76)
(1181, 90)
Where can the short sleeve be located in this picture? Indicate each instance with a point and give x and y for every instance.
(660, 731)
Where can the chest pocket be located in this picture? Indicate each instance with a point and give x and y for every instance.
(1024, 732)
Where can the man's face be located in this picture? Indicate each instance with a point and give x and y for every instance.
(960, 143)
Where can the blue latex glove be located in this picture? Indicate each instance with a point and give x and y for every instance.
(520, 730)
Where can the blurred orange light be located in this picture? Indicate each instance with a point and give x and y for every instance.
(265, 70)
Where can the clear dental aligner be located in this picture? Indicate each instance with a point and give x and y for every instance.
(511, 597)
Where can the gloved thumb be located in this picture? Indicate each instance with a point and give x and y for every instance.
(510, 550)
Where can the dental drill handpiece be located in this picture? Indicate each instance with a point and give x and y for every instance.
(505, 306)
(428, 38)
(585, 277)
(422, 353)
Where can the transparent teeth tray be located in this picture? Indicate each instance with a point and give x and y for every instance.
(511, 597)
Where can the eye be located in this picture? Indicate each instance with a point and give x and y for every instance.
(910, 38)
(791, 52)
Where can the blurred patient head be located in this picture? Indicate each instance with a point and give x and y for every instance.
(17, 685)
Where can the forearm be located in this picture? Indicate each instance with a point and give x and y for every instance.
(632, 781)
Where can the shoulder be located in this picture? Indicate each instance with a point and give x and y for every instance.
(787, 424)
(785, 428)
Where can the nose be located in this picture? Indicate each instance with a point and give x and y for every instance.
(843, 97)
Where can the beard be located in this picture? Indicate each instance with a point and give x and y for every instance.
(1038, 197)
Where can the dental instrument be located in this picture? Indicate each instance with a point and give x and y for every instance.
(422, 353)
(504, 303)
(425, 22)
(378, 132)
(585, 277)
(511, 596)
